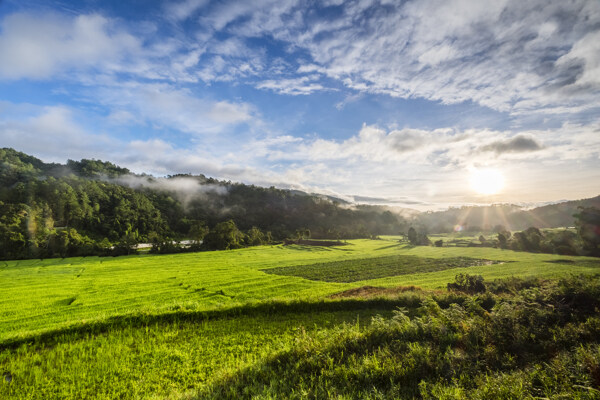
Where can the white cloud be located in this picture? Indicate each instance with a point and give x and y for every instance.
(509, 55)
(183, 9)
(264, 15)
(295, 86)
(165, 105)
(431, 165)
(437, 54)
(54, 134)
(586, 49)
(39, 46)
(122, 117)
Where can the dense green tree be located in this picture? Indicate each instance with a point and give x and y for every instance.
(255, 237)
(224, 236)
(412, 235)
(563, 242)
(197, 233)
(503, 239)
(587, 221)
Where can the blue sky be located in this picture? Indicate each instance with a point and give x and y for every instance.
(399, 101)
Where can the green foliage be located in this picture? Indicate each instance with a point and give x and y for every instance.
(197, 233)
(522, 348)
(501, 217)
(468, 284)
(96, 168)
(107, 287)
(86, 195)
(417, 238)
(171, 356)
(224, 236)
(412, 235)
(255, 237)
(503, 239)
(539, 339)
(588, 228)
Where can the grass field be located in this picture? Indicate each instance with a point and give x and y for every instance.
(166, 326)
(42, 295)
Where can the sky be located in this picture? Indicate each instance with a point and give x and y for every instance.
(384, 102)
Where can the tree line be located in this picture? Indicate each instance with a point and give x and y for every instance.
(584, 240)
(85, 208)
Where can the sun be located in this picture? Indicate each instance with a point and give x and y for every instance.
(487, 181)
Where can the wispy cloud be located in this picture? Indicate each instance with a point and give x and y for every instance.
(297, 86)
(507, 55)
(182, 10)
(165, 105)
(513, 56)
(190, 92)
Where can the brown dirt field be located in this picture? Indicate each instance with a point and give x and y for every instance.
(374, 291)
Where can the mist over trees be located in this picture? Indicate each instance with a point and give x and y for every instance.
(94, 207)
(498, 217)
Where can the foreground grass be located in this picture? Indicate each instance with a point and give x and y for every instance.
(525, 340)
(162, 359)
(45, 295)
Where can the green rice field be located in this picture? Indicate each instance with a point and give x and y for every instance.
(167, 326)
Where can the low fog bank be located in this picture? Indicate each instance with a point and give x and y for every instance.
(186, 188)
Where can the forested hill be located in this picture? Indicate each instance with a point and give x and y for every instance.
(503, 216)
(89, 206)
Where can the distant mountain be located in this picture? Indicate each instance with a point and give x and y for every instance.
(553, 215)
(509, 216)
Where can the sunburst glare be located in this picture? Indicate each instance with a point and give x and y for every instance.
(486, 181)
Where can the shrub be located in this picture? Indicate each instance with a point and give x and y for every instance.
(468, 284)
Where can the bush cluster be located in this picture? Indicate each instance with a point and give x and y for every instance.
(519, 339)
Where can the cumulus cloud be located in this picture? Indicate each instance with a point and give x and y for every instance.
(412, 153)
(52, 133)
(398, 165)
(518, 144)
(39, 46)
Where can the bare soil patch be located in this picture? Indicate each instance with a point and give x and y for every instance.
(374, 291)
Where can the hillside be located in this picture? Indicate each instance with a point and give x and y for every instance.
(511, 217)
(88, 206)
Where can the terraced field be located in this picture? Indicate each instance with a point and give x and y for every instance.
(169, 325)
(41, 295)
